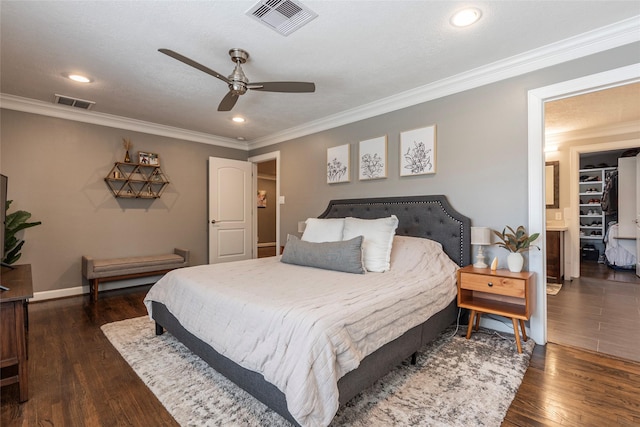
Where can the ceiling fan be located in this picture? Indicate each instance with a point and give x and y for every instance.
(238, 82)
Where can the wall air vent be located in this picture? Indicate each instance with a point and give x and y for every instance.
(73, 102)
(283, 16)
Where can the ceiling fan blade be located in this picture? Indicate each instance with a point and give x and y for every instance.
(228, 101)
(194, 64)
(296, 87)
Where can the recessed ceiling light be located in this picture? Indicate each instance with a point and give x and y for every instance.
(465, 17)
(238, 119)
(79, 78)
(240, 138)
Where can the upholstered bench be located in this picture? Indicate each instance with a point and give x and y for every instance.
(104, 270)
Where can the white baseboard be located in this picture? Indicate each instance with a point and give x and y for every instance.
(82, 290)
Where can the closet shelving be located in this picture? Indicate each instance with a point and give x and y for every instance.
(591, 187)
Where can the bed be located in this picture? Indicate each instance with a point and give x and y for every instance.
(428, 217)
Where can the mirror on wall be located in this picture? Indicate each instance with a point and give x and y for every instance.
(552, 184)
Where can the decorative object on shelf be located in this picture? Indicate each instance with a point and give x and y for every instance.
(135, 180)
(373, 158)
(338, 164)
(494, 264)
(516, 241)
(418, 151)
(480, 236)
(150, 159)
(13, 223)
(126, 143)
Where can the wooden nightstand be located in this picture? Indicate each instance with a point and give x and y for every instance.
(498, 292)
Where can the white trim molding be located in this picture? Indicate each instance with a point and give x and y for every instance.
(33, 106)
(598, 40)
(605, 38)
(537, 208)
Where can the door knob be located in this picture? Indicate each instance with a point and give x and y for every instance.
(213, 221)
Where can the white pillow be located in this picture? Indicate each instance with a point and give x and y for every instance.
(378, 239)
(319, 230)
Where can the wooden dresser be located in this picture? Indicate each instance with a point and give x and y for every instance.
(13, 326)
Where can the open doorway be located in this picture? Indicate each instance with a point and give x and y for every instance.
(266, 183)
(266, 209)
(596, 307)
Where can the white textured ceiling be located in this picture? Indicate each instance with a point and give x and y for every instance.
(357, 52)
(603, 108)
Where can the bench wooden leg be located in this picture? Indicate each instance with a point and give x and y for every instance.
(94, 290)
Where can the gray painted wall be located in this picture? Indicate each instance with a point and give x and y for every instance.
(482, 145)
(56, 169)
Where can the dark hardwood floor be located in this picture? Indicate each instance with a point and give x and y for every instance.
(600, 311)
(76, 378)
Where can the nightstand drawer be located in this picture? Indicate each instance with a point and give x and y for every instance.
(493, 284)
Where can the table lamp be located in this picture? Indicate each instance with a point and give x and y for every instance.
(480, 236)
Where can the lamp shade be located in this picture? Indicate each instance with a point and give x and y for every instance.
(480, 236)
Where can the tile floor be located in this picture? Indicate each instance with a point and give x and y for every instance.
(598, 314)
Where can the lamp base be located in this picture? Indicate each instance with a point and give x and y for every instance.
(480, 259)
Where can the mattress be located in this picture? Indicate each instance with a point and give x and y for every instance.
(303, 328)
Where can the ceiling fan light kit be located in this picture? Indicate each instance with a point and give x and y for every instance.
(238, 82)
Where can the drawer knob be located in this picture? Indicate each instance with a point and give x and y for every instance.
(490, 284)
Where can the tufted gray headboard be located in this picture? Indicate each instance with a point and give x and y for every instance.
(431, 217)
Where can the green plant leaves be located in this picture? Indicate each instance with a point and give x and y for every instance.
(15, 222)
(516, 240)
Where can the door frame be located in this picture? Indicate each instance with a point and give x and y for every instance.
(274, 155)
(536, 162)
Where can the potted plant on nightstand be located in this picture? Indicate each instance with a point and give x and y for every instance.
(516, 241)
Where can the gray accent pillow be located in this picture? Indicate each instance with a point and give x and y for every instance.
(345, 255)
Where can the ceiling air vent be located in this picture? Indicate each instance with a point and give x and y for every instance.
(283, 16)
(73, 102)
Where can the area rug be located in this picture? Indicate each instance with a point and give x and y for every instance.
(456, 382)
(553, 288)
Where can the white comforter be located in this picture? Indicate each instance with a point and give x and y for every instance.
(304, 328)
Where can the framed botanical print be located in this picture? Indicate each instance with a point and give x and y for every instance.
(338, 164)
(418, 151)
(373, 158)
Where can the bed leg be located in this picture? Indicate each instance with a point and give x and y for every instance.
(159, 329)
(414, 358)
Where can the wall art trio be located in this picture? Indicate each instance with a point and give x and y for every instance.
(417, 156)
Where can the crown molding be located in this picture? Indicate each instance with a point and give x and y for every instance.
(605, 38)
(33, 106)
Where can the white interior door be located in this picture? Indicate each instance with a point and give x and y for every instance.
(230, 198)
(638, 215)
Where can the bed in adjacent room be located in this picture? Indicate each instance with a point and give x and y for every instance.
(371, 281)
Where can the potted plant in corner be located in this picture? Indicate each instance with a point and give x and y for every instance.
(516, 241)
(14, 222)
